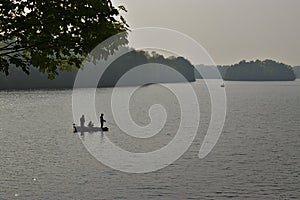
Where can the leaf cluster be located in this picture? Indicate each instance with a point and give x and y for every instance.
(54, 35)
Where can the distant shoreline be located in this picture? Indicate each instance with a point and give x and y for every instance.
(253, 71)
(107, 87)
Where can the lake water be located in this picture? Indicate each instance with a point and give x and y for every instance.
(256, 157)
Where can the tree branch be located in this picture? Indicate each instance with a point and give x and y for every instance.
(5, 47)
(8, 53)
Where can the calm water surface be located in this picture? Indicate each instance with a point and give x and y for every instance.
(256, 157)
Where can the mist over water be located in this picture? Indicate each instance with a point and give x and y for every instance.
(256, 157)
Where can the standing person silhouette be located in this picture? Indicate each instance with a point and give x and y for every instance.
(102, 120)
(82, 121)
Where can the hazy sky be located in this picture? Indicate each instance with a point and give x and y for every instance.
(230, 30)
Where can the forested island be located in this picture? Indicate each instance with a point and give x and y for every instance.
(297, 71)
(150, 73)
(267, 70)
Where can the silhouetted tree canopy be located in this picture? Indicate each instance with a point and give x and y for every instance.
(55, 35)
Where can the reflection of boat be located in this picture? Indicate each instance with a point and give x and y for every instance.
(88, 129)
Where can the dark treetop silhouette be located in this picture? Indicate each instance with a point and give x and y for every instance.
(56, 35)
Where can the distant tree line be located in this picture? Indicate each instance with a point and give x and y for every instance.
(297, 71)
(267, 70)
(151, 74)
(147, 74)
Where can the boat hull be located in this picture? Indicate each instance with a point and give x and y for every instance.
(89, 129)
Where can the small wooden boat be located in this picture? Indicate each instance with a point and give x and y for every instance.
(88, 129)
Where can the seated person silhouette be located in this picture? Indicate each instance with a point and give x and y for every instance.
(90, 124)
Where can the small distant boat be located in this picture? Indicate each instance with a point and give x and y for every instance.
(222, 85)
(89, 129)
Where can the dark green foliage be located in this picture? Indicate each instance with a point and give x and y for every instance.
(55, 35)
